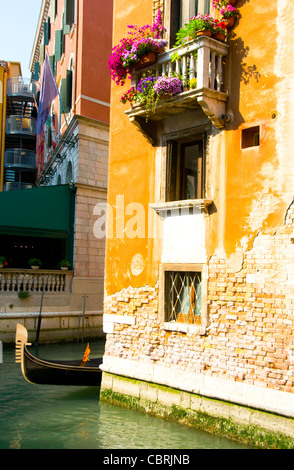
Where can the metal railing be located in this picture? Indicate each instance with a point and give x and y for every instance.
(14, 186)
(21, 158)
(22, 87)
(17, 124)
(15, 280)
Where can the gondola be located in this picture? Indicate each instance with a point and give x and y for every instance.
(42, 371)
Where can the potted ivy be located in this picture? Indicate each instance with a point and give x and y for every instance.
(2, 261)
(64, 264)
(35, 263)
(199, 25)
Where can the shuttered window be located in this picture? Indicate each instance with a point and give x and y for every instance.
(42, 54)
(58, 44)
(52, 64)
(69, 13)
(36, 73)
(66, 92)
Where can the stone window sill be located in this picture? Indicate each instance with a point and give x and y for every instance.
(184, 328)
(201, 204)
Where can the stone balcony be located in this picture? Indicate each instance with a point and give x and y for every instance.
(201, 59)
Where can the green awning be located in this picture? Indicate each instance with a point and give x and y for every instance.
(47, 211)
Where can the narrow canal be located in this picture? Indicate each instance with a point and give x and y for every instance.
(58, 417)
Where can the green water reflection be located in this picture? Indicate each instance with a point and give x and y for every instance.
(57, 417)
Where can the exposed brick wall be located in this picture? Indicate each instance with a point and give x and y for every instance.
(250, 337)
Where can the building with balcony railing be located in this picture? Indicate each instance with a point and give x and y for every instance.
(20, 165)
(72, 150)
(199, 284)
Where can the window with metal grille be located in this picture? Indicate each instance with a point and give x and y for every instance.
(183, 296)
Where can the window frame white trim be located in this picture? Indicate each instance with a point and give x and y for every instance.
(179, 326)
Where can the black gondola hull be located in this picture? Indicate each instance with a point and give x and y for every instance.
(40, 371)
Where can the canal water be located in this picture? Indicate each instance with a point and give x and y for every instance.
(71, 417)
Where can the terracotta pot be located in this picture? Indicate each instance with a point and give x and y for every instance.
(35, 267)
(219, 36)
(145, 60)
(229, 22)
(203, 32)
(232, 2)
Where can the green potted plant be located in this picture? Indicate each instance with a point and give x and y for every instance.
(200, 25)
(2, 261)
(64, 264)
(35, 263)
(23, 294)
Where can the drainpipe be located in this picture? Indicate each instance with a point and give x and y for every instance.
(2, 150)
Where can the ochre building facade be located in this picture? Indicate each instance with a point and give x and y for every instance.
(199, 288)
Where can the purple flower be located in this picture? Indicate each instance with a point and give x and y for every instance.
(168, 86)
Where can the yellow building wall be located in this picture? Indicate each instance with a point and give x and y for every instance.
(131, 176)
(251, 188)
(249, 229)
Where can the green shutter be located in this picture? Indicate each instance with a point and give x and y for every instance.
(66, 92)
(69, 12)
(46, 40)
(49, 28)
(42, 54)
(58, 45)
(52, 63)
(35, 75)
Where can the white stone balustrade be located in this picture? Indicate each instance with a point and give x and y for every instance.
(201, 59)
(15, 280)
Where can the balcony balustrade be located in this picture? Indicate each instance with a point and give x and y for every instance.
(21, 125)
(22, 87)
(201, 59)
(20, 158)
(14, 186)
(15, 280)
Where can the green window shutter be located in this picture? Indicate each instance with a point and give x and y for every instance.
(49, 28)
(69, 88)
(69, 12)
(42, 54)
(66, 92)
(52, 63)
(35, 75)
(46, 40)
(58, 44)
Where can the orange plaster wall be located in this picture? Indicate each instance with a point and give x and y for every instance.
(247, 174)
(251, 188)
(131, 172)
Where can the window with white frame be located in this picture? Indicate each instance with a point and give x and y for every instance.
(183, 300)
(179, 12)
(183, 296)
(185, 170)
